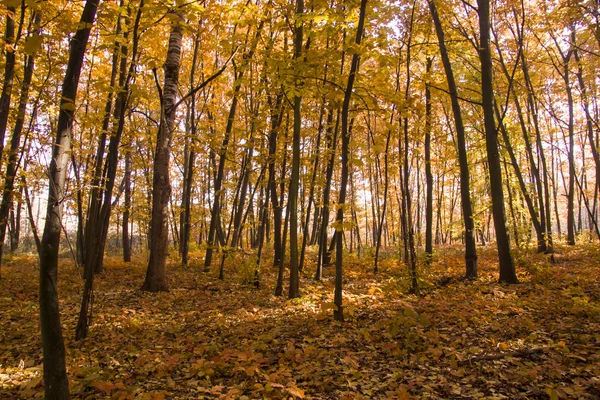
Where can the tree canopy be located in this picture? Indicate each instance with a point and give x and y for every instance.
(282, 137)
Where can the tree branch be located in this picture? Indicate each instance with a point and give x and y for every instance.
(209, 80)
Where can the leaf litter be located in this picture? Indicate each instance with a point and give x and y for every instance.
(212, 339)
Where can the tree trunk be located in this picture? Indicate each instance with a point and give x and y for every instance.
(188, 178)
(127, 205)
(338, 313)
(311, 195)
(295, 178)
(385, 191)
(409, 229)
(331, 139)
(465, 191)
(15, 141)
(276, 119)
(56, 385)
(9, 72)
(428, 174)
(161, 186)
(507, 267)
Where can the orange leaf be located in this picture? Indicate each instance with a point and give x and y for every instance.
(105, 387)
(294, 391)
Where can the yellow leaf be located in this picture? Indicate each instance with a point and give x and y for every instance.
(374, 289)
(12, 3)
(33, 44)
(294, 391)
(67, 106)
(84, 25)
(327, 305)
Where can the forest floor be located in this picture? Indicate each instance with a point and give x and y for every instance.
(211, 339)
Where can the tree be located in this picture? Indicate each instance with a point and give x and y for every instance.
(507, 267)
(161, 185)
(338, 313)
(9, 71)
(428, 174)
(465, 185)
(55, 375)
(295, 178)
(15, 141)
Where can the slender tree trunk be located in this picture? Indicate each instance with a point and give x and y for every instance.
(428, 174)
(15, 225)
(56, 385)
(264, 216)
(313, 179)
(279, 286)
(532, 108)
(276, 120)
(105, 174)
(331, 139)
(571, 159)
(15, 142)
(239, 208)
(409, 229)
(295, 178)
(338, 313)
(91, 245)
(30, 216)
(161, 186)
(385, 192)
(528, 201)
(186, 199)
(588, 117)
(465, 191)
(507, 267)
(127, 205)
(9, 72)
